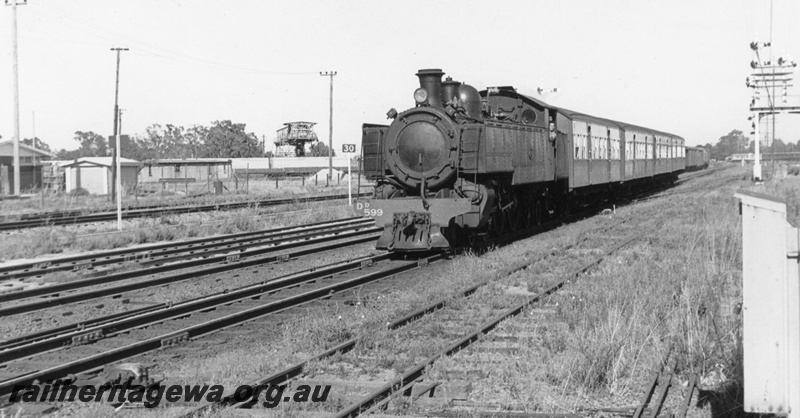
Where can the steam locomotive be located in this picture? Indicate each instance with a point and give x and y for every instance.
(464, 165)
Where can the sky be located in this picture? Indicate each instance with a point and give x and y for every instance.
(676, 66)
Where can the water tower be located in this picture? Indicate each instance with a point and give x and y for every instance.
(293, 137)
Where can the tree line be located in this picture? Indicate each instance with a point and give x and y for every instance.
(222, 139)
(225, 139)
(736, 142)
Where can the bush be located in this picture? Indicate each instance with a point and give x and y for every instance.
(79, 191)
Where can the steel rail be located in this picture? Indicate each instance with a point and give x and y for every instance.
(208, 327)
(279, 244)
(245, 259)
(229, 399)
(56, 331)
(381, 397)
(283, 376)
(153, 253)
(50, 220)
(109, 327)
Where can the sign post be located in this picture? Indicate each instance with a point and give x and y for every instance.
(349, 150)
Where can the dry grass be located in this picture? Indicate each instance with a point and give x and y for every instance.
(669, 298)
(257, 190)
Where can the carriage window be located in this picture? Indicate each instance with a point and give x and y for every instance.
(584, 147)
(580, 147)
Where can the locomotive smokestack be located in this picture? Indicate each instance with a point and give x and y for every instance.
(431, 81)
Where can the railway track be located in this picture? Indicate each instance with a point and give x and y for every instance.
(71, 217)
(278, 249)
(412, 382)
(186, 321)
(237, 311)
(294, 372)
(24, 353)
(87, 263)
(98, 328)
(401, 334)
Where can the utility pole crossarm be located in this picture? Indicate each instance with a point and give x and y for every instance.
(768, 75)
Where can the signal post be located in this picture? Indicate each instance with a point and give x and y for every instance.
(349, 150)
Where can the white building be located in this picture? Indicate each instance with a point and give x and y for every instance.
(94, 174)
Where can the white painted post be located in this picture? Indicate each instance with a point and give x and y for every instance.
(119, 183)
(349, 181)
(757, 162)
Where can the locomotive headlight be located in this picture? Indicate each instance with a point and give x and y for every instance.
(420, 95)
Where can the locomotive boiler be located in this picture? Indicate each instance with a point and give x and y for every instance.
(463, 165)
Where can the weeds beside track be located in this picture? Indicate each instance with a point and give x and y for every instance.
(70, 218)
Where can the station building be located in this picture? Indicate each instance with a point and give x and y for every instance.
(30, 167)
(195, 169)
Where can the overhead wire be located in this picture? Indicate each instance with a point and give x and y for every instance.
(99, 31)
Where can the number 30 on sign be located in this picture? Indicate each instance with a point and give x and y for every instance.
(348, 148)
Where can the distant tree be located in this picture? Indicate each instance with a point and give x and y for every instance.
(91, 144)
(130, 148)
(37, 143)
(777, 146)
(732, 143)
(175, 142)
(229, 140)
(68, 155)
(320, 150)
(151, 145)
(194, 140)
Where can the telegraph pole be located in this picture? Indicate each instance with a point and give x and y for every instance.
(767, 76)
(116, 183)
(115, 154)
(13, 4)
(330, 126)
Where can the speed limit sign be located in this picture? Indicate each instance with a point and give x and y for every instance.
(348, 148)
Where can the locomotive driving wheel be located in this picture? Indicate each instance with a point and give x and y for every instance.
(526, 212)
(499, 222)
(515, 215)
(538, 212)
